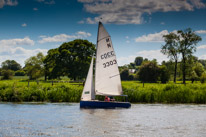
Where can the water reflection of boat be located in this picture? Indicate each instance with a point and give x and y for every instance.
(107, 77)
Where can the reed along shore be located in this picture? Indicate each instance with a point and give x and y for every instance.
(22, 91)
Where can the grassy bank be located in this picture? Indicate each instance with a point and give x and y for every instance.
(18, 91)
(165, 93)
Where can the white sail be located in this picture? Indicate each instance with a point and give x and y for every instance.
(88, 91)
(107, 77)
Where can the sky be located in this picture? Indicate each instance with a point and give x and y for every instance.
(136, 27)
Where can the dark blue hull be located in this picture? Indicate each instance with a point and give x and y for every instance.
(103, 104)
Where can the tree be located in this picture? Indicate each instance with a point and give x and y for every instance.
(171, 49)
(148, 72)
(20, 73)
(124, 74)
(0, 71)
(193, 76)
(52, 70)
(71, 59)
(203, 77)
(164, 74)
(121, 68)
(131, 66)
(170, 65)
(131, 77)
(203, 62)
(11, 64)
(7, 74)
(198, 68)
(145, 60)
(187, 40)
(34, 66)
(194, 67)
(138, 61)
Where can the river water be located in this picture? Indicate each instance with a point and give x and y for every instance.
(67, 119)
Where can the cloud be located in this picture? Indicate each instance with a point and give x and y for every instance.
(127, 39)
(11, 2)
(201, 31)
(49, 2)
(131, 11)
(8, 3)
(156, 37)
(56, 38)
(24, 25)
(125, 60)
(83, 34)
(81, 22)
(149, 54)
(162, 23)
(201, 47)
(2, 3)
(202, 57)
(35, 9)
(64, 37)
(16, 42)
(10, 49)
(19, 54)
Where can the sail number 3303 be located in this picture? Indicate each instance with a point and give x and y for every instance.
(110, 63)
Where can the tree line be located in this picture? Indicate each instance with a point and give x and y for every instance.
(72, 59)
(149, 71)
(179, 47)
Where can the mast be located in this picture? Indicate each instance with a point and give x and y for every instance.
(96, 57)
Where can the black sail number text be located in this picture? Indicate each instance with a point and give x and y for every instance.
(110, 63)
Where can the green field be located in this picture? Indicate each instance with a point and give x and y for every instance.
(165, 93)
(18, 90)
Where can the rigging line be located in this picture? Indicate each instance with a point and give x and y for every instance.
(114, 76)
(103, 38)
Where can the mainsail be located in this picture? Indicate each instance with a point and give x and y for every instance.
(107, 77)
(88, 91)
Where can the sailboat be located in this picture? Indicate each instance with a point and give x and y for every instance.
(107, 77)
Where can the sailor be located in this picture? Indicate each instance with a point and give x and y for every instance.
(107, 98)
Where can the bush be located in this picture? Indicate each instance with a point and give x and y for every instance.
(130, 77)
(203, 77)
(193, 76)
(164, 74)
(149, 72)
(7, 74)
(124, 74)
(20, 73)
